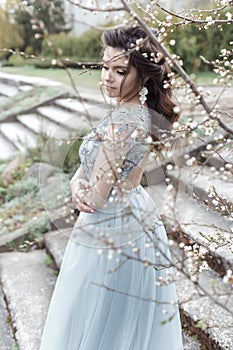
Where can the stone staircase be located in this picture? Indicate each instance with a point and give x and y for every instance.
(27, 288)
(28, 279)
(60, 118)
(206, 301)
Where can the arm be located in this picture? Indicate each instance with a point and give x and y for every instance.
(78, 183)
(107, 167)
(78, 177)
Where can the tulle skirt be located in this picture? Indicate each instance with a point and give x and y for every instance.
(115, 289)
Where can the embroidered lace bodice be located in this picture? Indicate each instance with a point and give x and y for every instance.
(135, 122)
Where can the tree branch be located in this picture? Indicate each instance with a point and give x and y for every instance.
(176, 66)
(96, 9)
(191, 20)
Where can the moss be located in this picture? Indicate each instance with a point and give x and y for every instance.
(25, 100)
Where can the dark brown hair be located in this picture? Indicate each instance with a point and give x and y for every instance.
(145, 57)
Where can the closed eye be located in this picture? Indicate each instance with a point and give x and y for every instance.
(121, 72)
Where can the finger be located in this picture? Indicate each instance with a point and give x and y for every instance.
(85, 208)
(76, 198)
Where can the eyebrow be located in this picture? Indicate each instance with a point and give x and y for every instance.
(117, 67)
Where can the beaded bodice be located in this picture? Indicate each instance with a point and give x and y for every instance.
(133, 119)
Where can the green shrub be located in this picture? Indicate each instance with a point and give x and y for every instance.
(191, 43)
(72, 160)
(67, 158)
(37, 228)
(87, 47)
(44, 64)
(21, 188)
(7, 64)
(62, 41)
(16, 60)
(29, 50)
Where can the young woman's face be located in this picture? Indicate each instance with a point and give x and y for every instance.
(114, 70)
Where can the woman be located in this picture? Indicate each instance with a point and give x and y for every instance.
(114, 289)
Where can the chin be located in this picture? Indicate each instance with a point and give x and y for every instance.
(110, 94)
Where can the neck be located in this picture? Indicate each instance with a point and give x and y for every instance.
(133, 100)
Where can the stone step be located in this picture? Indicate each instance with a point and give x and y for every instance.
(18, 135)
(7, 339)
(56, 243)
(17, 79)
(39, 124)
(57, 220)
(8, 90)
(189, 221)
(93, 111)
(206, 302)
(189, 296)
(70, 121)
(218, 160)
(25, 88)
(193, 219)
(27, 284)
(201, 179)
(180, 155)
(93, 96)
(6, 147)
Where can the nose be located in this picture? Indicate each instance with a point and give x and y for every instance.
(109, 76)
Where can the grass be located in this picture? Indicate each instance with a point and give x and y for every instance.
(81, 77)
(204, 78)
(89, 78)
(26, 200)
(27, 99)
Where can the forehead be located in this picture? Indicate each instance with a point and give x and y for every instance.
(114, 55)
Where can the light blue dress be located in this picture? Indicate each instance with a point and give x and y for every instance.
(114, 289)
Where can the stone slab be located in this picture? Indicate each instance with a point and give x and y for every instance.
(38, 125)
(55, 243)
(8, 90)
(93, 95)
(13, 236)
(207, 304)
(6, 334)
(188, 217)
(25, 88)
(17, 78)
(7, 148)
(219, 159)
(190, 343)
(178, 157)
(17, 134)
(71, 121)
(17, 235)
(200, 179)
(95, 111)
(28, 284)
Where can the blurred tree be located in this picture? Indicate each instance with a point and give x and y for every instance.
(10, 33)
(51, 13)
(193, 41)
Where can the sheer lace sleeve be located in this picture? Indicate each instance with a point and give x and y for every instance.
(122, 147)
(132, 126)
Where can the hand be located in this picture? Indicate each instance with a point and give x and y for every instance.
(78, 197)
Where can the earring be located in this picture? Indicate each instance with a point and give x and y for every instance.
(143, 92)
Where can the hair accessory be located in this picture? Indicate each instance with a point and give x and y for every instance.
(143, 92)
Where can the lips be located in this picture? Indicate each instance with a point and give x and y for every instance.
(109, 87)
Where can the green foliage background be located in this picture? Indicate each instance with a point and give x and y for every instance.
(191, 43)
(86, 47)
(16, 32)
